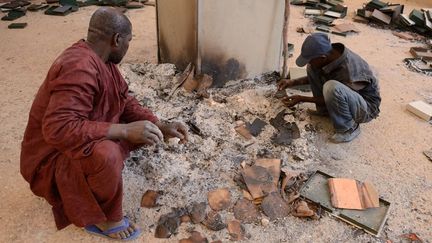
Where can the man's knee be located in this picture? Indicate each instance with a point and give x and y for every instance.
(106, 155)
(333, 89)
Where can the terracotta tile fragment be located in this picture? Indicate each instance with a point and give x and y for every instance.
(195, 237)
(219, 199)
(245, 211)
(258, 181)
(273, 166)
(275, 207)
(197, 212)
(213, 221)
(236, 230)
(303, 210)
(149, 199)
(168, 223)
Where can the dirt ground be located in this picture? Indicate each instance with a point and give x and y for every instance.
(388, 152)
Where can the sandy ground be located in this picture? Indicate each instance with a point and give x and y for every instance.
(388, 152)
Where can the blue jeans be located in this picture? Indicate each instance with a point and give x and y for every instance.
(345, 106)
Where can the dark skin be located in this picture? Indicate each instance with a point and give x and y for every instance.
(316, 63)
(111, 45)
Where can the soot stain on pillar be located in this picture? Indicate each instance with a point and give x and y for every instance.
(222, 69)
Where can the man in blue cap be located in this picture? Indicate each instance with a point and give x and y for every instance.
(342, 83)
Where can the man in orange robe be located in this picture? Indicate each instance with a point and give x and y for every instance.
(82, 126)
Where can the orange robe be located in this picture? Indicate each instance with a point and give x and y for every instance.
(65, 154)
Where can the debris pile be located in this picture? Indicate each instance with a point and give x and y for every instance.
(197, 178)
(387, 14)
(275, 190)
(324, 14)
(18, 8)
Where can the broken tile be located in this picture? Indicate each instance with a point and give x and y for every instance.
(421, 109)
(418, 17)
(364, 13)
(15, 4)
(36, 7)
(185, 219)
(197, 212)
(305, 29)
(243, 131)
(17, 26)
(287, 131)
(403, 35)
(428, 22)
(406, 20)
(360, 19)
(236, 230)
(412, 237)
(380, 17)
(245, 211)
(168, 223)
(346, 27)
(332, 14)
(219, 199)
(204, 83)
(213, 221)
(274, 206)
(258, 180)
(256, 127)
(247, 195)
(323, 20)
(273, 166)
(149, 198)
(286, 134)
(189, 83)
(312, 12)
(302, 210)
(339, 8)
(13, 15)
(132, 5)
(376, 4)
(194, 128)
(195, 237)
(421, 52)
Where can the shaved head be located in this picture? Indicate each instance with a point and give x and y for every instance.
(109, 34)
(107, 21)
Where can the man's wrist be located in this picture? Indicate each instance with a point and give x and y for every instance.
(117, 131)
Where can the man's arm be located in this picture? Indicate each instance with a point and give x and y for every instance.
(134, 111)
(287, 83)
(295, 99)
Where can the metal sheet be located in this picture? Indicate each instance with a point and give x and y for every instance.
(371, 220)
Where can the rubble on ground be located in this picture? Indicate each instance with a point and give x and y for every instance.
(212, 158)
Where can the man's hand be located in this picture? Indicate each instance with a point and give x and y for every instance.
(285, 83)
(292, 100)
(174, 129)
(139, 132)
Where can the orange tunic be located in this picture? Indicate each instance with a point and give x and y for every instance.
(65, 154)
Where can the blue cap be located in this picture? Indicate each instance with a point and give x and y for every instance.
(315, 45)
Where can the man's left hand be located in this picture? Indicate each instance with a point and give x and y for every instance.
(174, 129)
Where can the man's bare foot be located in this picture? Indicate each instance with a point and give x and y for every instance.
(120, 234)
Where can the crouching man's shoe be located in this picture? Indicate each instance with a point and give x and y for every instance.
(347, 136)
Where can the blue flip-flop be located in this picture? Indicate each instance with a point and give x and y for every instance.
(93, 229)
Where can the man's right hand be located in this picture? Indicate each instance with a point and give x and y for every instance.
(285, 83)
(139, 132)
